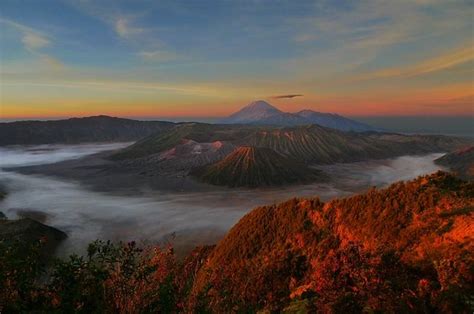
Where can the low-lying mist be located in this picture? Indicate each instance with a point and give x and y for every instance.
(185, 219)
(16, 156)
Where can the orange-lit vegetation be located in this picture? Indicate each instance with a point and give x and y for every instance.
(407, 248)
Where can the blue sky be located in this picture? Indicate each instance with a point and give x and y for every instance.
(158, 58)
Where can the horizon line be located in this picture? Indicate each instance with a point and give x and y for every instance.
(199, 117)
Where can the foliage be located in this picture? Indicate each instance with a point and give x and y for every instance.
(20, 269)
(112, 278)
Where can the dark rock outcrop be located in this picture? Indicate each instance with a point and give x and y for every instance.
(28, 232)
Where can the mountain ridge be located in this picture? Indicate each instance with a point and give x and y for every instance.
(335, 121)
(262, 113)
(99, 128)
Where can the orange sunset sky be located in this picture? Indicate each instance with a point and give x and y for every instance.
(209, 58)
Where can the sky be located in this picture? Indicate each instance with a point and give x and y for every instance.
(146, 58)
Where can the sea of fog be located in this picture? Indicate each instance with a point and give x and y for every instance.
(184, 219)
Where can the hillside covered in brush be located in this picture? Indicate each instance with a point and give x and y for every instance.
(461, 162)
(78, 130)
(404, 249)
(257, 166)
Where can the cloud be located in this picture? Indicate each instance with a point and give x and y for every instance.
(34, 41)
(286, 96)
(122, 20)
(463, 102)
(157, 55)
(438, 63)
(124, 28)
(338, 41)
(366, 24)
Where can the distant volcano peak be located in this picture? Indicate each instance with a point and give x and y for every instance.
(261, 112)
(254, 111)
(261, 105)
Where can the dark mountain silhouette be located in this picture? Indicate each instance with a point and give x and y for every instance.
(460, 162)
(257, 166)
(78, 130)
(262, 113)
